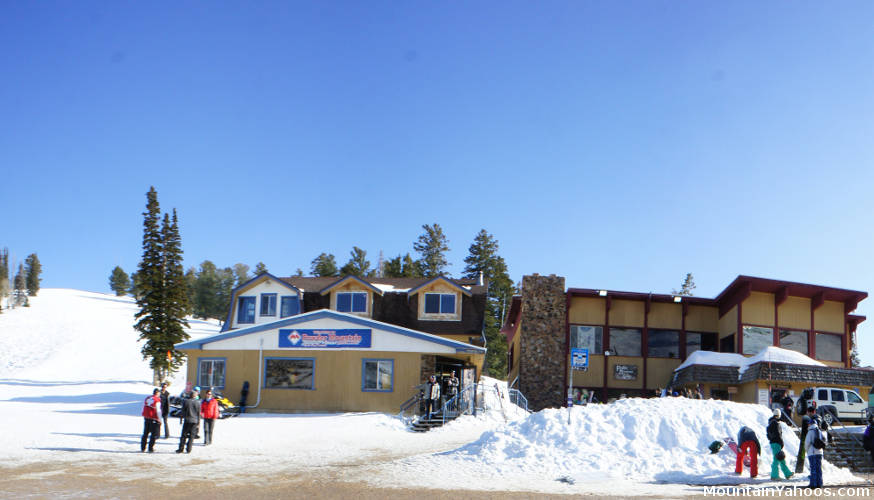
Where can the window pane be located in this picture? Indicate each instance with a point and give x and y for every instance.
(205, 373)
(757, 338)
(664, 343)
(289, 374)
(625, 341)
(289, 306)
(828, 347)
(447, 303)
(268, 304)
(218, 379)
(359, 302)
(795, 340)
(344, 302)
(852, 398)
(246, 310)
(385, 375)
(432, 303)
(370, 374)
(837, 395)
(822, 394)
(587, 337)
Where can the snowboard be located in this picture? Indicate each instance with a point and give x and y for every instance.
(802, 453)
(732, 445)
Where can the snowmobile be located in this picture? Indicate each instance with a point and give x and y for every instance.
(226, 407)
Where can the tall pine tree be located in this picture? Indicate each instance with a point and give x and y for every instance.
(175, 299)
(483, 258)
(119, 281)
(260, 268)
(34, 269)
(402, 267)
(358, 264)
(4, 275)
(324, 265)
(432, 245)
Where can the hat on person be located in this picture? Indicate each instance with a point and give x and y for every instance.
(156, 390)
(777, 412)
(165, 383)
(196, 388)
(811, 408)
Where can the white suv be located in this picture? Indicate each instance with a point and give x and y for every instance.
(834, 403)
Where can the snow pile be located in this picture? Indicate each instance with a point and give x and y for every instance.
(769, 354)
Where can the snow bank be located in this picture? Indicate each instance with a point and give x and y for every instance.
(769, 354)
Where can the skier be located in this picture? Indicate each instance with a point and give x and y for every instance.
(748, 443)
(815, 442)
(151, 420)
(191, 416)
(775, 439)
(209, 411)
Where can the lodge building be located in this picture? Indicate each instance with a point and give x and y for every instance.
(636, 341)
(341, 343)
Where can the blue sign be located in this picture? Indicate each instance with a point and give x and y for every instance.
(580, 359)
(325, 339)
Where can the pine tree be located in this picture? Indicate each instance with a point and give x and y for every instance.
(135, 285)
(175, 299)
(483, 258)
(324, 265)
(20, 284)
(260, 268)
(4, 275)
(241, 271)
(206, 290)
(119, 281)
(402, 267)
(358, 264)
(298, 272)
(687, 286)
(34, 269)
(432, 245)
(225, 282)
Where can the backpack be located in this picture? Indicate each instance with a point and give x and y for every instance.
(818, 443)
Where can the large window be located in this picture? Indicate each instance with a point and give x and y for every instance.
(439, 303)
(663, 343)
(290, 305)
(699, 341)
(246, 310)
(377, 375)
(828, 347)
(268, 304)
(355, 302)
(211, 372)
(625, 341)
(794, 340)
(757, 338)
(289, 373)
(587, 337)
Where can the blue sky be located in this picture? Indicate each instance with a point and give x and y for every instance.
(619, 144)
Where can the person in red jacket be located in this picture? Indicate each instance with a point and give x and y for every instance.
(209, 411)
(151, 420)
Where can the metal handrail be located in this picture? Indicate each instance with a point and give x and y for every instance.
(518, 399)
(467, 406)
(410, 403)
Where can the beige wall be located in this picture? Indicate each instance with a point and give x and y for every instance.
(627, 313)
(516, 345)
(668, 316)
(829, 317)
(794, 313)
(659, 372)
(594, 377)
(728, 324)
(702, 319)
(587, 311)
(758, 309)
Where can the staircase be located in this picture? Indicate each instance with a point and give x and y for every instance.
(846, 451)
(424, 424)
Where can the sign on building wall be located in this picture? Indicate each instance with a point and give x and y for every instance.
(625, 372)
(325, 339)
(580, 359)
(763, 397)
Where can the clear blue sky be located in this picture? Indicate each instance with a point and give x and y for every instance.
(619, 144)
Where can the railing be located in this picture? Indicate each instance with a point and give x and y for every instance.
(462, 403)
(518, 399)
(412, 403)
(468, 401)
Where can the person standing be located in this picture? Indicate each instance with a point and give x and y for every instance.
(748, 444)
(432, 395)
(814, 443)
(209, 411)
(165, 407)
(868, 438)
(805, 423)
(775, 439)
(151, 420)
(191, 418)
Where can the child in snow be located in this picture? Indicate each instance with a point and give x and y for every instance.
(748, 444)
(775, 439)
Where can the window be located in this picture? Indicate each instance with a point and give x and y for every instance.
(439, 303)
(355, 302)
(822, 394)
(837, 395)
(587, 337)
(625, 341)
(246, 310)
(795, 340)
(828, 347)
(289, 306)
(211, 372)
(663, 343)
(726, 344)
(853, 398)
(377, 375)
(268, 304)
(757, 338)
(289, 373)
(696, 341)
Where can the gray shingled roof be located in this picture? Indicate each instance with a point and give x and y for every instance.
(778, 372)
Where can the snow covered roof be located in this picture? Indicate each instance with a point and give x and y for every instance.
(769, 354)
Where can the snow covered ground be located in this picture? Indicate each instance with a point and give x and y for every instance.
(72, 382)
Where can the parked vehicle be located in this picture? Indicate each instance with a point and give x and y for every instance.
(834, 404)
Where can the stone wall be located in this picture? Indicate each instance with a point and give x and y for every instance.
(428, 367)
(542, 365)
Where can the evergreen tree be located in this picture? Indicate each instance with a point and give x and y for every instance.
(358, 264)
(324, 265)
(20, 284)
(402, 267)
(432, 246)
(34, 269)
(4, 275)
(687, 286)
(299, 272)
(190, 288)
(175, 299)
(135, 285)
(241, 271)
(483, 258)
(206, 290)
(225, 280)
(119, 281)
(260, 268)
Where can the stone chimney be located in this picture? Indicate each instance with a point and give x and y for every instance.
(542, 364)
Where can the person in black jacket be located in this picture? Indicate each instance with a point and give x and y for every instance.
(748, 443)
(775, 438)
(165, 407)
(191, 416)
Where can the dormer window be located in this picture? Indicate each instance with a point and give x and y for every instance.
(352, 302)
(439, 303)
(268, 304)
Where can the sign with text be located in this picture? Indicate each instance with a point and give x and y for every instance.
(625, 372)
(325, 339)
(579, 359)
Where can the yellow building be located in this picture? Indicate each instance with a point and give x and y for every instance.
(633, 341)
